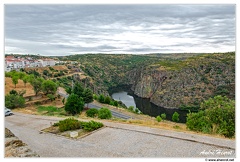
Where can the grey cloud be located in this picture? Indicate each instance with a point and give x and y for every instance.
(100, 28)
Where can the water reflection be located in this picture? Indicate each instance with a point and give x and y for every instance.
(146, 107)
(125, 98)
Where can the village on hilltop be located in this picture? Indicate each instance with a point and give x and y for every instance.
(17, 62)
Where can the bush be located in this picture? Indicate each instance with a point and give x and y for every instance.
(175, 117)
(137, 111)
(68, 124)
(107, 100)
(92, 112)
(92, 125)
(101, 99)
(199, 122)
(158, 118)
(217, 115)
(104, 113)
(13, 101)
(130, 108)
(115, 103)
(163, 116)
(51, 97)
(13, 92)
(95, 97)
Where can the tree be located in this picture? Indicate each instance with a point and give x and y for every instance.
(87, 96)
(68, 90)
(175, 117)
(21, 75)
(217, 115)
(37, 85)
(15, 80)
(78, 89)
(107, 100)
(101, 98)
(25, 79)
(74, 104)
(49, 87)
(45, 72)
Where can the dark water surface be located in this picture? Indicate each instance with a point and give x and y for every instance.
(146, 107)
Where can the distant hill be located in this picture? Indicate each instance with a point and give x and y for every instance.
(168, 80)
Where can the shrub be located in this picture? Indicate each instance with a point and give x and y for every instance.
(175, 117)
(95, 97)
(137, 111)
(107, 100)
(13, 92)
(51, 97)
(92, 112)
(13, 101)
(104, 113)
(115, 103)
(158, 118)
(163, 116)
(101, 99)
(50, 68)
(130, 108)
(69, 124)
(198, 122)
(90, 126)
(217, 115)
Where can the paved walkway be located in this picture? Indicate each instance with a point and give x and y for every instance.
(116, 140)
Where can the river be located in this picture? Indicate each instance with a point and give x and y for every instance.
(123, 96)
(146, 107)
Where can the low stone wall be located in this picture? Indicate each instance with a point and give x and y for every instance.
(29, 98)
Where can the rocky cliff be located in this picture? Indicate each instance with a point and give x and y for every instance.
(177, 83)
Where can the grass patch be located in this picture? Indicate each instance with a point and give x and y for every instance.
(51, 111)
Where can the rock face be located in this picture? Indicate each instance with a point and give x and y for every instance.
(169, 81)
(187, 82)
(15, 147)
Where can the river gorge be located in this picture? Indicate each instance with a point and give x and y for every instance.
(146, 107)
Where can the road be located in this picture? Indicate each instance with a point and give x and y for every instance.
(114, 113)
(116, 140)
(90, 105)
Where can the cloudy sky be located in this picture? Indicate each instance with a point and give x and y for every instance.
(136, 29)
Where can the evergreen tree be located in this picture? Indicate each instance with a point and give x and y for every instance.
(74, 104)
(78, 89)
(87, 96)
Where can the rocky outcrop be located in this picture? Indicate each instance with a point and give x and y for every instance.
(15, 147)
(186, 82)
